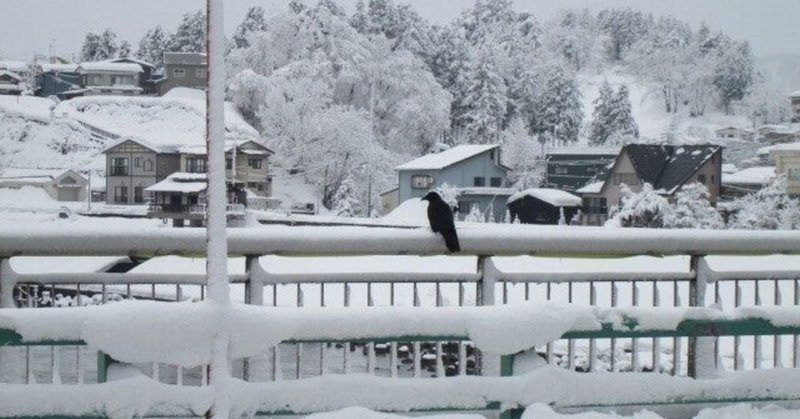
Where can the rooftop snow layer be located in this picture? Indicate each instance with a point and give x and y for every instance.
(15, 66)
(110, 67)
(181, 182)
(750, 176)
(59, 68)
(592, 187)
(554, 197)
(611, 151)
(446, 158)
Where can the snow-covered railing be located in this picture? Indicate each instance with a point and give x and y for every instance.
(153, 335)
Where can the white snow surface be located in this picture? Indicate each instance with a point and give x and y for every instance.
(412, 211)
(369, 265)
(750, 176)
(107, 66)
(738, 411)
(554, 197)
(64, 264)
(31, 107)
(445, 158)
(363, 413)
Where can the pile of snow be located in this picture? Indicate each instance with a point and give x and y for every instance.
(739, 411)
(64, 264)
(413, 211)
(29, 107)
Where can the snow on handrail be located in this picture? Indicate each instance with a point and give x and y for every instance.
(486, 241)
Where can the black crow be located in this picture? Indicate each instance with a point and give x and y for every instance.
(441, 218)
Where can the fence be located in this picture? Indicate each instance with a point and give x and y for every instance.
(497, 277)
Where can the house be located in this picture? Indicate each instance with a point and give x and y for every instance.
(133, 165)
(182, 196)
(183, 69)
(795, 98)
(11, 83)
(570, 168)
(474, 169)
(779, 134)
(746, 181)
(109, 78)
(543, 206)
(54, 79)
(666, 167)
(734, 132)
(147, 76)
(787, 162)
(64, 185)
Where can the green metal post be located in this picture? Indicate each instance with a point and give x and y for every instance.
(507, 370)
(103, 362)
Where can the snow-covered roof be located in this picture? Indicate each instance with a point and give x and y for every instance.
(32, 172)
(796, 93)
(11, 74)
(109, 66)
(15, 66)
(59, 68)
(142, 63)
(782, 147)
(729, 168)
(592, 187)
(446, 158)
(485, 190)
(732, 128)
(585, 150)
(751, 176)
(554, 197)
(181, 182)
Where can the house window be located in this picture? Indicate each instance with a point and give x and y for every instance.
(496, 182)
(148, 165)
(121, 194)
(119, 166)
(138, 194)
(260, 187)
(560, 170)
(200, 73)
(137, 162)
(593, 205)
(178, 72)
(701, 179)
(254, 163)
(228, 164)
(479, 181)
(421, 181)
(196, 165)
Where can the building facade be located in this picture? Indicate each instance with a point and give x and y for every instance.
(787, 162)
(183, 69)
(570, 169)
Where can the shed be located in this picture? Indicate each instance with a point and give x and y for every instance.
(543, 205)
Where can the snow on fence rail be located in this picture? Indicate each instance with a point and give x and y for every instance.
(123, 391)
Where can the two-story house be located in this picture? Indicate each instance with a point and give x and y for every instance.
(183, 69)
(245, 161)
(570, 168)
(109, 78)
(146, 78)
(474, 169)
(666, 167)
(132, 165)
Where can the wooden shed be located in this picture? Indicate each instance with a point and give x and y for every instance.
(543, 206)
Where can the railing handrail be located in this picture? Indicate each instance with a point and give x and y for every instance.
(308, 241)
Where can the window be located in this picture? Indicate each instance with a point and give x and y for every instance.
(148, 165)
(178, 72)
(68, 181)
(138, 194)
(254, 163)
(421, 181)
(701, 179)
(137, 162)
(260, 187)
(713, 179)
(121, 194)
(228, 164)
(591, 169)
(496, 182)
(119, 166)
(594, 205)
(478, 181)
(200, 73)
(196, 165)
(560, 170)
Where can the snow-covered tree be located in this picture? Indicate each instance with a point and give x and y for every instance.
(346, 201)
(644, 209)
(559, 112)
(152, 46)
(522, 153)
(602, 117)
(574, 35)
(190, 35)
(485, 101)
(108, 47)
(449, 194)
(770, 208)
(691, 209)
(91, 47)
(475, 215)
(124, 49)
(734, 74)
(254, 21)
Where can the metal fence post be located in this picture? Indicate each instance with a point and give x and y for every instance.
(488, 279)
(701, 349)
(104, 361)
(254, 295)
(6, 284)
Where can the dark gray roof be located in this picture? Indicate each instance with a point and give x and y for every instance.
(666, 167)
(185, 58)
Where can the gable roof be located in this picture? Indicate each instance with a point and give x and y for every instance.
(666, 167)
(436, 161)
(12, 75)
(150, 146)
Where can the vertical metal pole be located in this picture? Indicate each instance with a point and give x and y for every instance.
(634, 341)
(216, 202)
(777, 342)
(737, 297)
(656, 341)
(756, 339)
(6, 284)
(592, 343)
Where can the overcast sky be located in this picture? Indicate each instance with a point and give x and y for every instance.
(28, 26)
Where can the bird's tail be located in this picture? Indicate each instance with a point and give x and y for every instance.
(451, 240)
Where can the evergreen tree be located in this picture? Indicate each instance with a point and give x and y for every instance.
(559, 112)
(346, 203)
(190, 35)
(625, 126)
(124, 49)
(91, 47)
(475, 215)
(253, 22)
(152, 46)
(612, 119)
(602, 117)
(623, 28)
(107, 48)
(485, 102)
